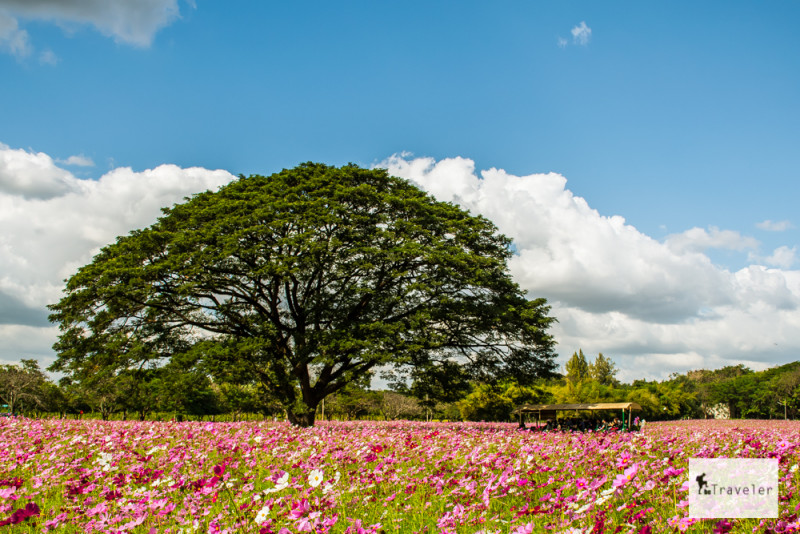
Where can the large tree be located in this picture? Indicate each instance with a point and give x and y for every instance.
(304, 281)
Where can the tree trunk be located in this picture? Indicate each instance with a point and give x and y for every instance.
(301, 418)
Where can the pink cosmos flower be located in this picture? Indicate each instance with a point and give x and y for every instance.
(624, 459)
(625, 477)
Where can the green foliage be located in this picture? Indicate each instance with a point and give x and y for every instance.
(495, 402)
(22, 387)
(238, 398)
(773, 393)
(603, 370)
(577, 367)
(352, 402)
(303, 281)
(181, 389)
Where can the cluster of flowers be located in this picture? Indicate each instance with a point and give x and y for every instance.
(370, 477)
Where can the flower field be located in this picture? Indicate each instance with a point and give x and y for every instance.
(370, 477)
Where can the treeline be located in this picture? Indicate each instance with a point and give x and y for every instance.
(731, 392)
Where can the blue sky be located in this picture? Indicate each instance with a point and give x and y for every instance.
(680, 117)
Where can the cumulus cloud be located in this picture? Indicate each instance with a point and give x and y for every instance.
(774, 226)
(32, 175)
(133, 22)
(783, 257)
(581, 34)
(655, 307)
(54, 222)
(698, 240)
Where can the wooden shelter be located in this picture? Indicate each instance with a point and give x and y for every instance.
(548, 411)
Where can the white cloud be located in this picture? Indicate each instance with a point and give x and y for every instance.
(581, 34)
(32, 175)
(78, 161)
(133, 22)
(562, 43)
(775, 226)
(698, 240)
(54, 223)
(654, 307)
(783, 257)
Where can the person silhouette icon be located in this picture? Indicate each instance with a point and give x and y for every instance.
(701, 482)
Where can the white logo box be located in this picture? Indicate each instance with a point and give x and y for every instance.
(733, 488)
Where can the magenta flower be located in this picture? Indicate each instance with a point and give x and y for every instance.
(300, 509)
(672, 472)
(21, 514)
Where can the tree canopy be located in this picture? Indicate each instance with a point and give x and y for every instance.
(22, 384)
(305, 281)
(577, 368)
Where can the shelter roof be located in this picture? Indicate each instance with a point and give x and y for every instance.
(588, 406)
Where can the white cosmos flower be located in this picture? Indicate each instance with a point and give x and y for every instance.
(262, 515)
(104, 459)
(280, 484)
(315, 477)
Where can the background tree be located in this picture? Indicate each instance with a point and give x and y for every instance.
(486, 403)
(238, 399)
(22, 385)
(398, 406)
(352, 402)
(786, 387)
(577, 368)
(106, 392)
(304, 281)
(603, 371)
(495, 402)
(190, 393)
(55, 399)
